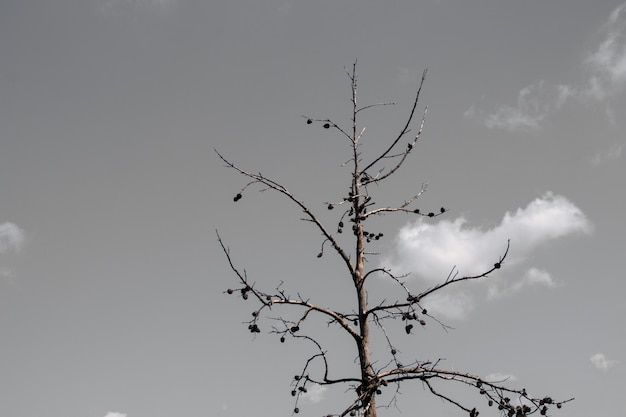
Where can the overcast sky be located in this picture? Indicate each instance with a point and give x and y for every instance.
(112, 283)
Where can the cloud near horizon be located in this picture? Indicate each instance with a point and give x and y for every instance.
(430, 251)
(604, 77)
(114, 414)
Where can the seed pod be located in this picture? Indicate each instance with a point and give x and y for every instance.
(309, 121)
(330, 207)
(282, 339)
(497, 265)
(442, 209)
(326, 125)
(237, 197)
(295, 329)
(416, 211)
(408, 328)
(229, 291)
(296, 410)
(431, 214)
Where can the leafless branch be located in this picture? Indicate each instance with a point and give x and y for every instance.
(366, 316)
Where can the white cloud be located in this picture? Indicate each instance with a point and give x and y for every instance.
(610, 154)
(11, 237)
(114, 414)
(600, 361)
(315, 393)
(429, 251)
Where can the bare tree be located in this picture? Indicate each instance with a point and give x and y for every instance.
(355, 210)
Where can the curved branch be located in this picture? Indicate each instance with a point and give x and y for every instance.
(449, 281)
(405, 129)
(411, 300)
(281, 189)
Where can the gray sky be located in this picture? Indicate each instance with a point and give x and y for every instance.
(111, 280)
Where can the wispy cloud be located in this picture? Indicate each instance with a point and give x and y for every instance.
(600, 361)
(534, 277)
(610, 154)
(11, 237)
(608, 61)
(430, 251)
(605, 76)
(534, 104)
